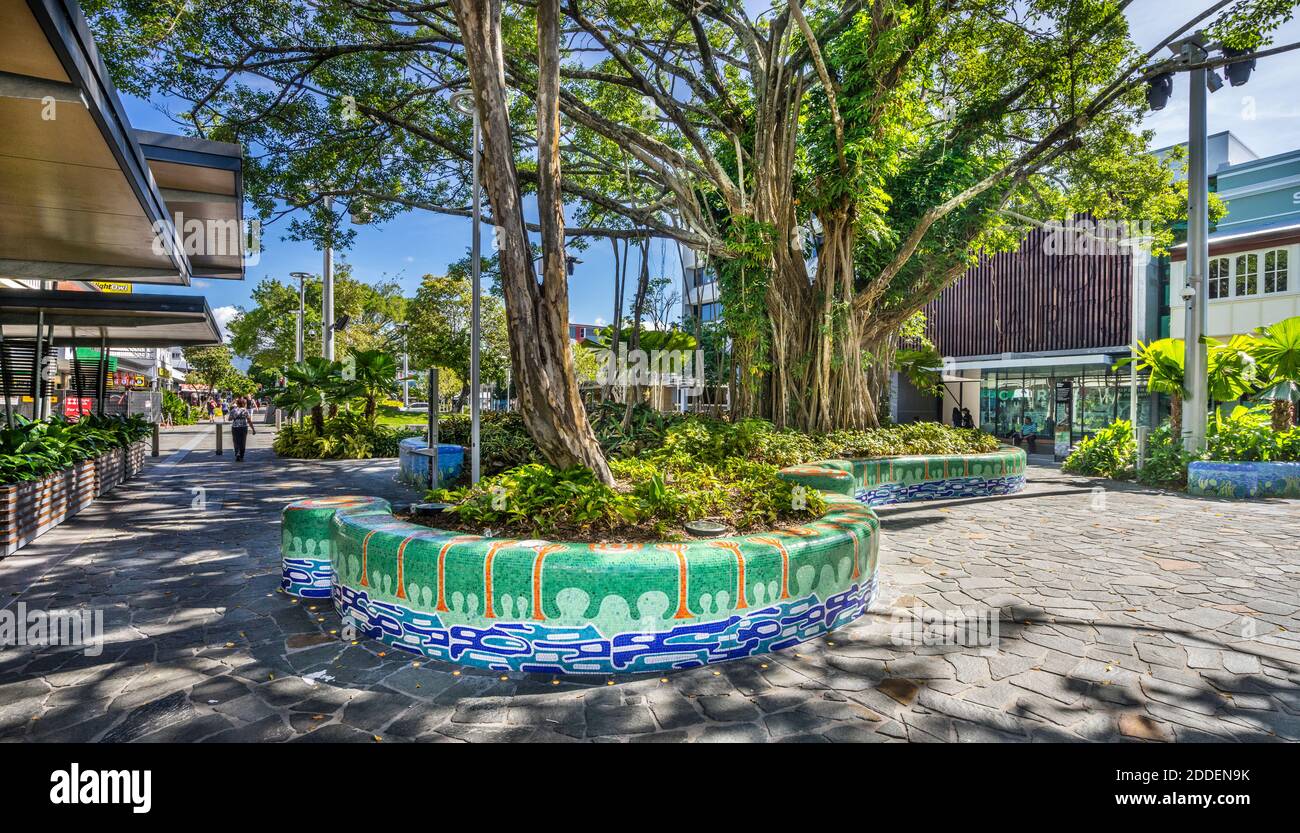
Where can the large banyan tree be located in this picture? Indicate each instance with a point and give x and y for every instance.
(837, 164)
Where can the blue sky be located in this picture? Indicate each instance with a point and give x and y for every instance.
(1265, 114)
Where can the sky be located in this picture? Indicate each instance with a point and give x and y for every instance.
(1264, 114)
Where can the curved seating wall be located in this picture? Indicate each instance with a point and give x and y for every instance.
(1244, 480)
(569, 608)
(880, 481)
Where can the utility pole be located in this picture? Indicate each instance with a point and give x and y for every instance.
(302, 311)
(327, 292)
(1196, 293)
(464, 102)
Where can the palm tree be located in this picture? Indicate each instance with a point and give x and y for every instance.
(376, 374)
(1163, 361)
(1230, 367)
(1277, 351)
(311, 384)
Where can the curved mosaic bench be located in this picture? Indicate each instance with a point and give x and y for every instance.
(306, 569)
(1243, 480)
(880, 481)
(567, 608)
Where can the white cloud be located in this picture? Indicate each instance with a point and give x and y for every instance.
(223, 316)
(600, 322)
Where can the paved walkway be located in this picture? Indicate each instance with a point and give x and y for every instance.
(1123, 614)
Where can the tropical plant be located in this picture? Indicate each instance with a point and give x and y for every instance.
(1162, 359)
(1277, 350)
(1230, 367)
(375, 375)
(310, 386)
(1110, 452)
(921, 367)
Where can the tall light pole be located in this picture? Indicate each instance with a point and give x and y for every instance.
(1196, 293)
(463, 101)
(327, 292)
(302, 311)
(1192, 53)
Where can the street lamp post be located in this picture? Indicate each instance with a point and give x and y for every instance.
(327, 292)
(1192, 53)
(302, 311)
(463, 101)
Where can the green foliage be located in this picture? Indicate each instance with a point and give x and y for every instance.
(537, 499)
(440, 322)
(1277, 350)
(1166, 462)
(1162, 360)
(177, 410)
(1244, 434)
(347, 435)
(32, 450)
(1111, 452)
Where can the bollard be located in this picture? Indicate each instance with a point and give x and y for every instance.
(218, 425)
(155, 440)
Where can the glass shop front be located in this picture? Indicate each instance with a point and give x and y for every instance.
(1084, 398)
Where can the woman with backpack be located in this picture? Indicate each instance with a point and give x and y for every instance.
(241, 423)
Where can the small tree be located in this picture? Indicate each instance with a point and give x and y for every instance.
(1162, 359)
(1277, 350)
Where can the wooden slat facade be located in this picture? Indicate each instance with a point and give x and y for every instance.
(1031, 301)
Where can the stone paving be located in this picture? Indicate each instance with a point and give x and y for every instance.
(1124, 614)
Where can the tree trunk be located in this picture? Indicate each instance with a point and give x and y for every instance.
(1282, 415)
(538, 313)
(1176, 416)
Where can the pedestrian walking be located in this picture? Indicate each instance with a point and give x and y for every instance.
(212, 408)
(240, 426)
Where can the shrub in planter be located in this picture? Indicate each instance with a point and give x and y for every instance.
(1111, 452)
(347, 435)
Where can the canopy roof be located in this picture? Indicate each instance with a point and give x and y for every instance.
(82, 195)
(135, 320)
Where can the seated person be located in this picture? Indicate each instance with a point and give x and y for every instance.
(1027, 431)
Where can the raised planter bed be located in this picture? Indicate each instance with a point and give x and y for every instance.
(28, 510)
(568, 608)
(1243, 480)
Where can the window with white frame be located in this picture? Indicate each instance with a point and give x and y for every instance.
(1247, 275)
(1275, 270)
(1220, 268)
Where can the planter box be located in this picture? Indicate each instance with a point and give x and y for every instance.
(1243, 480)
(28, 510)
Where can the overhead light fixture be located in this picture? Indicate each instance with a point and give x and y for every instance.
(1238, 72)
(1213, 82)
(1159, 89)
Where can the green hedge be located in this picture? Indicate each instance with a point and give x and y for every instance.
(32, 450)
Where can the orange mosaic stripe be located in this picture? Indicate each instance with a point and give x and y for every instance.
(734, 549)
(496, 547)
(683, 595)
(773, 541)
(365, 546)
(542, 551)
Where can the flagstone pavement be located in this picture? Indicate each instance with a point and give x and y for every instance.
(1122, 614)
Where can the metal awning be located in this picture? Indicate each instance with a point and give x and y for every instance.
(109, 319)
(201, 181)
(82, 195)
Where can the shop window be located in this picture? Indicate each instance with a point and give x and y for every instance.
(1219, 277)
(1247, 275)
(1275, 270)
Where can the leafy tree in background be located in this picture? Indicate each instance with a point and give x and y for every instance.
(211, 366)
(898, 139)
(438, 334)
(264, 332)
